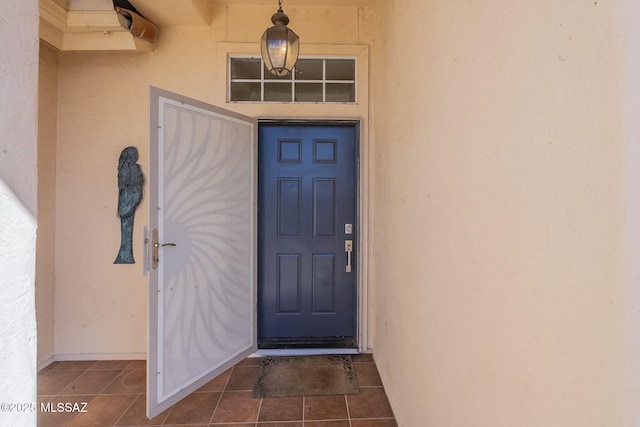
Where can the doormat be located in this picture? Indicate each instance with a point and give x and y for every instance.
(305, 376)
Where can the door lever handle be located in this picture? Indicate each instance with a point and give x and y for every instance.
(155, 259)
(348, 248)
(160, 245)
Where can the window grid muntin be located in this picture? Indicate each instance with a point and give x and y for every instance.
(292, 81)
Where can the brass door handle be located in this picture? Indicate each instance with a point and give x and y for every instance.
(155, 259)
(160, 245)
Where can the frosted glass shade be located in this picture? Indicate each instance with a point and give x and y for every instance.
(280, 46)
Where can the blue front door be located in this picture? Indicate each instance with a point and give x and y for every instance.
(307, 235)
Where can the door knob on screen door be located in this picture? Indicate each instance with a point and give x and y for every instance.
(155, 259)
(348, 248)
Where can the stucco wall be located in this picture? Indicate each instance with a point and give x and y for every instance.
(18, 209)
(45, 260)
(504, 239)
(101, 308)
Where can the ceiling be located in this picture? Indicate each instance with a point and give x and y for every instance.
(189, 12)
(93, 24)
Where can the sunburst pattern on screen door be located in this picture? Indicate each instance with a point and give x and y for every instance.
(206, 203)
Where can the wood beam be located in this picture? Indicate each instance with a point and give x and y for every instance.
(92, 20)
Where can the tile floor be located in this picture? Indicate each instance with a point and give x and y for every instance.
(114, 393)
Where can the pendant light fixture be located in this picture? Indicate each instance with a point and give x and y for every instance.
(280, 46)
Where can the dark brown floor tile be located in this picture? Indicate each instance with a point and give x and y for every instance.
(44, 398)
(123, 399)
(128, 381)
(90, 382)
(283, 409)
(367, 374)
(243, 378)
(59, 411)
(250, 361)
(55, 419)
(194, 409)
(325, 408)
(372, 402)
(53, 382)
(136, 415)
(236, 406)
(104, 410)
(110, 364)
(73, 401)
(185, 425)
(374, 423)
(137, 364)
(277, 424)
(362, 357)
(335, 423)
(218, 383)
(73, 365)
(234, 425)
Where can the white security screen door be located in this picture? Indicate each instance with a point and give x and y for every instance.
(202, 295)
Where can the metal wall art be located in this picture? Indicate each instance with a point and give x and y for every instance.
(130, 183)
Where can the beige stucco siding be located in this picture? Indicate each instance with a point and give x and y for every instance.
(101, 308)
(47, 137)
(18, 209)
(502, 268)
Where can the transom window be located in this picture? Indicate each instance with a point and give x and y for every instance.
(313, 80)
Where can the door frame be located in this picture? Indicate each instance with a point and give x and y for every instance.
(359, 111)
(361, 224)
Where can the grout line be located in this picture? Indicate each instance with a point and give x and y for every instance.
(226, 384)
(110, 382)
(376, 418)
(259, 409)
(224, 389)
(346, 402)
(126, 410)
(58, 395)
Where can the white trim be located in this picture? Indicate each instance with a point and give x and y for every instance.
(362, 222)
(358, 108)
(44, 363)
(292, 81)
(99, 356)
